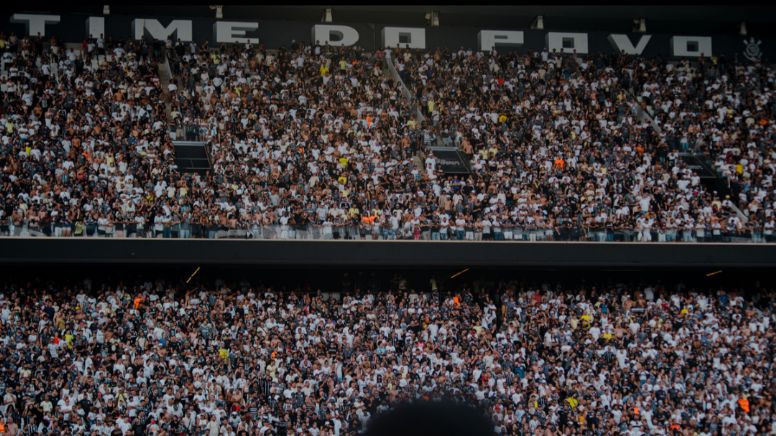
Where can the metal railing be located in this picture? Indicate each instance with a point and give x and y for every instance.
(404, 90)
(371, 232)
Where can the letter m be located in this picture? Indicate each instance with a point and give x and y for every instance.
(182, 28)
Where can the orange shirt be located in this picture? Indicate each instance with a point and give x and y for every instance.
(744, 403)
(137, 302)
(560, 163)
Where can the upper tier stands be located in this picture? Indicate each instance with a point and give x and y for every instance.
(318, 142)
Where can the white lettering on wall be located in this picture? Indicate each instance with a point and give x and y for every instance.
(235, 32)
(342, 36)
(489, 39)
(623, 44)
(36, 24)
(404, 37)
(690, 46)
(181, 28)
(567, 42)
(95, 26)
(334, 35)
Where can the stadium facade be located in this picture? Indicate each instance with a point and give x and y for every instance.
(275, 33)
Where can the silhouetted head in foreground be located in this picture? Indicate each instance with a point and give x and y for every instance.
(431, 418)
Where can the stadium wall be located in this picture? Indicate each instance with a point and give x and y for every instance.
(276, 34)
(420, 254)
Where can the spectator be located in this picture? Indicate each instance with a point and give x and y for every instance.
(219, 359)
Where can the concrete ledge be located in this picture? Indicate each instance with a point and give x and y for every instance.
(382, 253)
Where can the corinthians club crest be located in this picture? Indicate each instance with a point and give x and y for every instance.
(752, 50)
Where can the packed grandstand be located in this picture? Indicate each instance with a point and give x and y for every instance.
(155, 358)
(313, 142)
(128, 161)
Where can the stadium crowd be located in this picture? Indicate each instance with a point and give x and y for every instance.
(556, 139)
(318, 142)
(304, 136)
(84, 138)
(153, 359)
(726, 110)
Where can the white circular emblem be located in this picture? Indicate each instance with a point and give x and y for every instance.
(752, 50)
